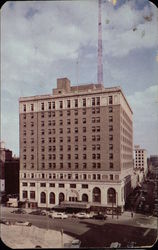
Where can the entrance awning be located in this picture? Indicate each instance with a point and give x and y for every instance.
(68, 204)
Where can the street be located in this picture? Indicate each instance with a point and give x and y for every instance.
(95, 233)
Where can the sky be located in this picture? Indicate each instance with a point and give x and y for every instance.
(45, 40)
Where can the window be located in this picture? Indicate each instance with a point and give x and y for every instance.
(76, 156)
(93, 101)
(32, 184)
(32, 132)
(76, 138)
(98, 100)
(61, 147)
(52, 197)
(68, 104)
(76, 121)
(61, 185)
(32, 194)
(49, 105)
(98, 129)
(111, 165)
(24, 150)
(68, 130)
(54, 148)
(110, 128)
(52, 184)
(24, 117)
(32, 107)
(84, 138)
(49, 114)
(93, 164)
(76, 165)
(24, 184)
(61, 122)
(93, 119)
(68, 139)
(42, 148)
(69, 165)
(84, 111)
(93, 156)
(98, 156)
(76, 130)
(68, 122)
(85, 186)
(84, 102)
(93, 110)
(93, 147)
(54, 165)
(97, 119)
(84, 156)
(43, 165)
(54, 156)
(110, 156)
(49, 123)
(50, 139)
(68, 112)
(60, 113)
(72, 185)
(110, 146)
(110, 100)
(84, 129)
(49, 132)
(110, 109)
(111, 176)
(76, 103)
(76, 147)
(93, 137)
(53, 114)
(42, 115)
(24, 194)
(24, 157)
(69, 157)
(97, 110)
(61, 156)
(61, 164)
(42, 106)
(43, 197)
(84, 165)
(42, 184)
(98, 146)
(93, 129)
(32, 157)
(110, 118)
(61, 139)
(98, 165)
(98, 137)
(68, 147)
(32, 124)
(61, 131)
(24, 107)
(53, 105)
(110, 137)
(84, 120)
(42, 124)
(61, 104)
(76, 112)
(84, 147)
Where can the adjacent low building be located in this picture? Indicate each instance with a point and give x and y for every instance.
(76, 145)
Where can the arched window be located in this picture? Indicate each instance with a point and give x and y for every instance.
(52, 198)
(61, 197)
(85, 197)
(96, 195)
(43, 197)
(111, 195)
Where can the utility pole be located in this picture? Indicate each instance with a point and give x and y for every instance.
(100, 59)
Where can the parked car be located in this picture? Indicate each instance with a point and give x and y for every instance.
(100, 216)
(19, 211)
(23, 223)
(115, 245)
(38, 212)
(131, 244)
(83, 215)
(55, 215)
(75, 243)
(3, 221)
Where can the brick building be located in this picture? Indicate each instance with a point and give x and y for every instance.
(76, 144)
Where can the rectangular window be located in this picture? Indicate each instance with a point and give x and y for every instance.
(110, 109)
(68, 139)
(42, 184)
(111, 165)
(110, 100)
(110, 156)
(24, 194)
(49, 105)
(32, 184)
(42, 106)
(68, 104)
(69, 157)
(61, 104)
(61, 185)
(85, 186)
(110, 146)
(61, 122)
(110, 137)
(32, 194)
(76, 121)
(84, 102)
(69, 165)
(24, 184)
(75, 112)
(76, 130)
(84, 111)
(60, 113)
(24, 107)
(84, 165)
(76, 103)
(76, 165)
(68, 130)
(84, 138)
(84, 120)
(52, 184)
(68, 112)
(84, 147)
(72, 185)
(76, 156)
(110, 118)
(61, 164)
(32, 107)
(76, 138)
(84, 129)
(76, 147)
(98, 100)
(111, 176)
(53, 105)
(84, 156)
(93, 101)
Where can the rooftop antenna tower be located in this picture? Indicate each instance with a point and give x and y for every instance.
(100, 59)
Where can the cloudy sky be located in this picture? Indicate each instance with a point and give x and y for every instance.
(45, 40)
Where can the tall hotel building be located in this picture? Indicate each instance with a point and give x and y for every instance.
(76, 145)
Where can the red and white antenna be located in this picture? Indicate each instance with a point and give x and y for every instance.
(100, 59)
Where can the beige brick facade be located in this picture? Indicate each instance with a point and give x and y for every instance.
(77, 134)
